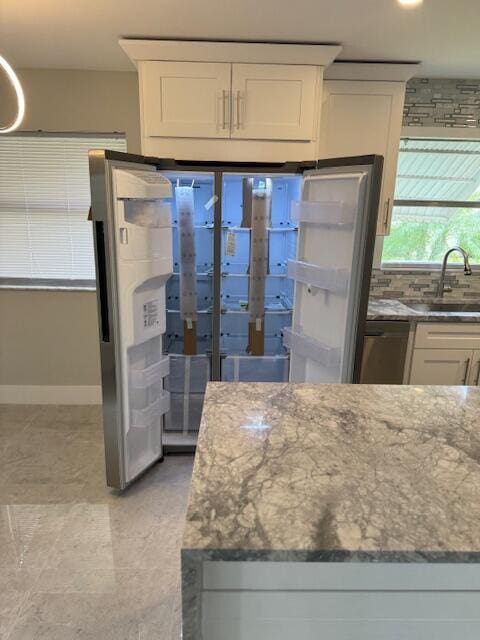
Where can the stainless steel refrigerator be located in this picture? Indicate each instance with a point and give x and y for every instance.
(222, 271)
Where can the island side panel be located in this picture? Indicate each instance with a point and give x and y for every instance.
(368, 601)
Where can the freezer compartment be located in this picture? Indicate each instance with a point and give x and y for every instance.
(185, 413)
(174, 343)
(255, 368)
(203, 249)
(186, 383)
(204, 292)
(278, 289)
(188, 372)
(234, 333)
(282, 243)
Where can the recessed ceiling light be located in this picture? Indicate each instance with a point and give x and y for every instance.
(410, 3)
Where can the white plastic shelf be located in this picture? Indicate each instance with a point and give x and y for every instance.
(320, 277)
(322, 213)
(143, 378)
(308, 347)
(143, 418)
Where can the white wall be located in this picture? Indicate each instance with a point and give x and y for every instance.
(50, 338)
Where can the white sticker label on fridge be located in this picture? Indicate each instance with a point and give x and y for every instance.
(150, 313)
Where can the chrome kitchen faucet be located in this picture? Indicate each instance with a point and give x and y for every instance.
(467, 269)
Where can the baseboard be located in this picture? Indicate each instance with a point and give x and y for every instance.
(45, 394)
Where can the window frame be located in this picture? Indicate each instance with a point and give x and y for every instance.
(431, 133)
(57, 284)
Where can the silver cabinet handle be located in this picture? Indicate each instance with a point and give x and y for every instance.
(224, 101)
(467, 367)
(239, 97)
(386, 214)
(477, 380)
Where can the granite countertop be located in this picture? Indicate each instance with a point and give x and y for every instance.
(336, 473)
(391, 309)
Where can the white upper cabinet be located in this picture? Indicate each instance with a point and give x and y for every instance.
(274, 101)
(363, 118)
(223, 100)
(186, 99)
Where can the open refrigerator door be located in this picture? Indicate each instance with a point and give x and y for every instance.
(336, 220)
(133, 242)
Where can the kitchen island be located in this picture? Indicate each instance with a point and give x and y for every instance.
(335, 511)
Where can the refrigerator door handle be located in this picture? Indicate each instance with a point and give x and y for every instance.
(102, 281)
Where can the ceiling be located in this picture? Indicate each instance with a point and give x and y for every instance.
(443, 34)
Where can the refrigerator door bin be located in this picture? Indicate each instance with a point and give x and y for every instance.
(322, 213)
(255, 368)
(307, 347)
(144, 378)
(327, 278)
(142, 418)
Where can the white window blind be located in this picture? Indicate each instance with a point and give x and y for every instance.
(44, 203)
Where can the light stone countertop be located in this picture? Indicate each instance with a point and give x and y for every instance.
(336, 472)
(393, 309)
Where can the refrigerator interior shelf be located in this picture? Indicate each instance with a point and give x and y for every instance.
(195, 226)
(272, 229)
(308, 347)
(281, 305)
(199, 312)
(142, 418)
(198, 274)
(328, 279)
(144, 378)
(226, 274)
(322, 213)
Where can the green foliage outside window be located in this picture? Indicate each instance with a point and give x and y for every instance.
(427, 241)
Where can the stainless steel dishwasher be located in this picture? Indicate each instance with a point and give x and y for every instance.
(384, 352)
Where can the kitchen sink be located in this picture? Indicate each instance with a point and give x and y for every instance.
(463, 307)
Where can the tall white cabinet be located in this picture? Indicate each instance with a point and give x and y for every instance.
(363, 117)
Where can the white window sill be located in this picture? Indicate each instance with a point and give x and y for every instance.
(25, 284)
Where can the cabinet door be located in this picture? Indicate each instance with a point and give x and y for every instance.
(441, 366)
(360, 118)
(186, 99)
(274, 101)
(474, 378)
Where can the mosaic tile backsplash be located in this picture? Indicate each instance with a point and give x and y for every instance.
(423, 284)
(432, 102)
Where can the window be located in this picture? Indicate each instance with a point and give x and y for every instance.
(45, 237)
(437, 203)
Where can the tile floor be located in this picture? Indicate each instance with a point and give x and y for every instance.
(78, 560)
